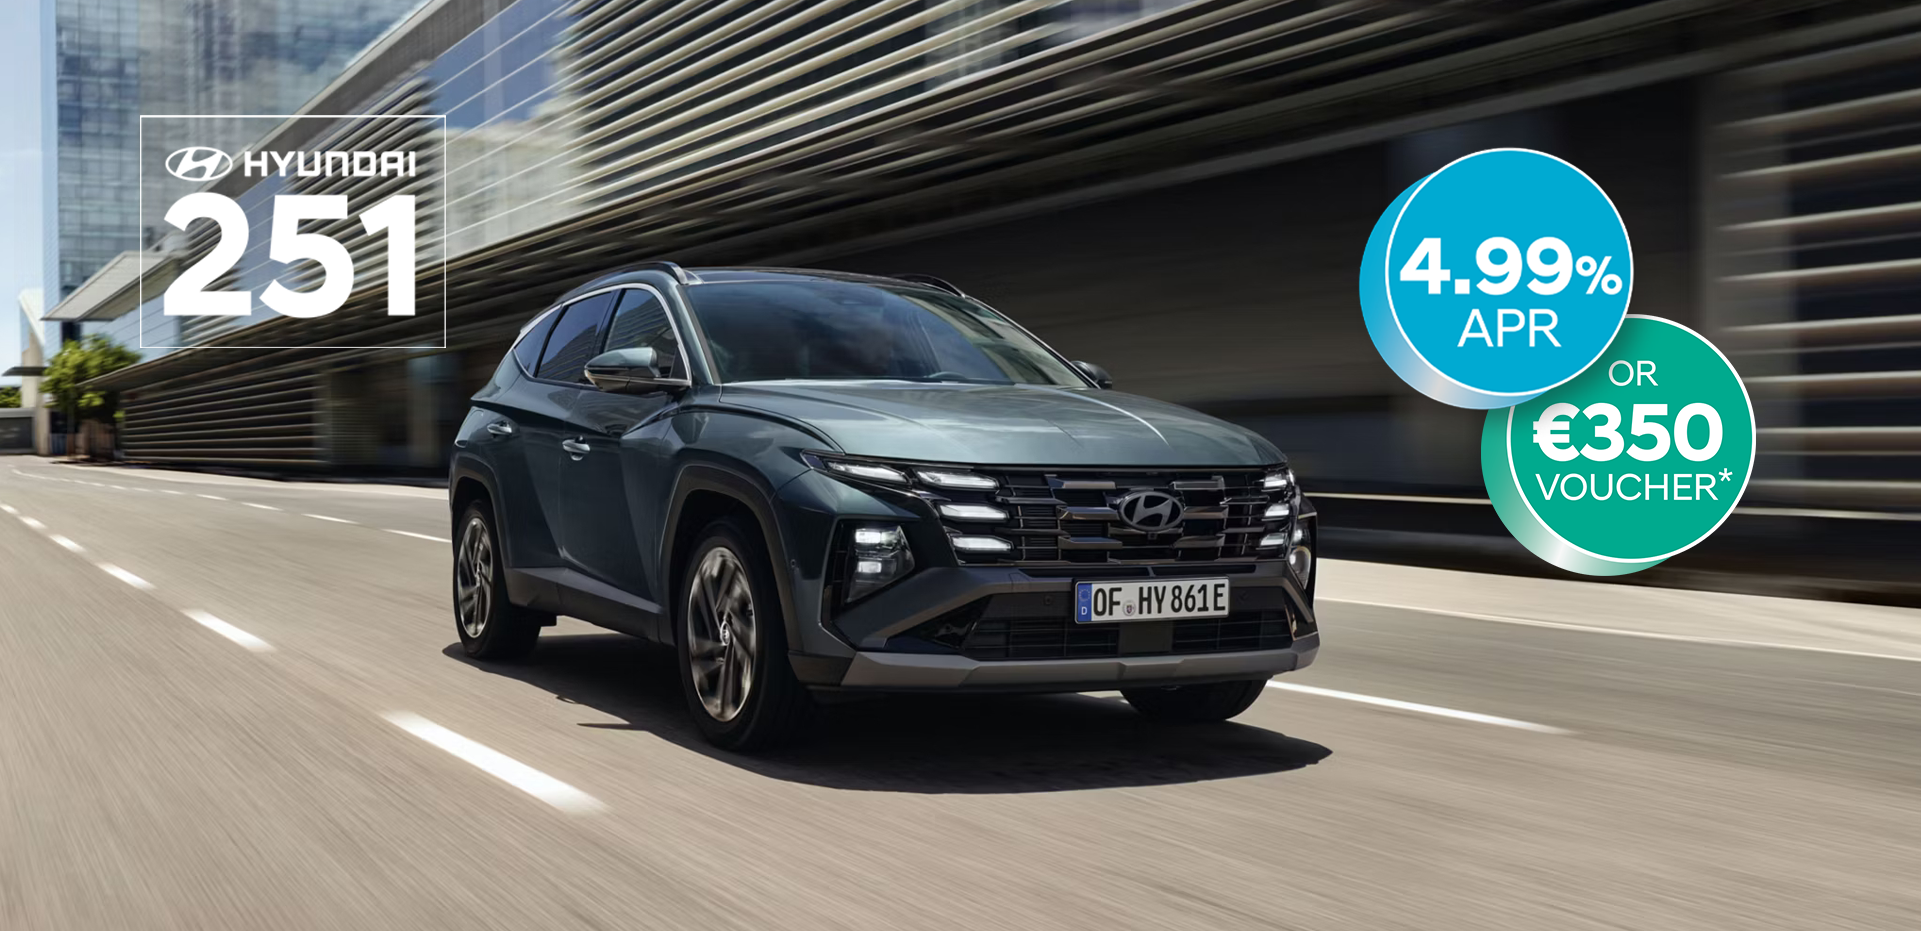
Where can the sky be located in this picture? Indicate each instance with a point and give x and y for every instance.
(21, 264)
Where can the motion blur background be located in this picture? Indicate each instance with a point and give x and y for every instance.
(1179, 191)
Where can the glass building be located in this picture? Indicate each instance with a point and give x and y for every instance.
(116, 59)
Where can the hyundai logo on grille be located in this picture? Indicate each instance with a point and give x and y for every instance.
(1150, 510)
(199, 163)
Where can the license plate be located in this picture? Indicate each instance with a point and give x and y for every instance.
(1154, 600)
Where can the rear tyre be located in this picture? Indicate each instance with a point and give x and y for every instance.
(1195, 704)
(731, 639)
(490, 626)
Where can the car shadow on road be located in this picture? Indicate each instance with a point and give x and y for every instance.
(918, 743)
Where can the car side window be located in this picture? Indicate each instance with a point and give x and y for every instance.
(527, 351)
(576, 338)
(641, 322)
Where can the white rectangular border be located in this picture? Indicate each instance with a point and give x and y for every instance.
(140, 209)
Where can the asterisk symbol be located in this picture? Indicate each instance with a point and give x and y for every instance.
(1726, 475)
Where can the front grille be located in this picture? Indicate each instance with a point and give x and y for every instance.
(1073, 517)
(1034, 638)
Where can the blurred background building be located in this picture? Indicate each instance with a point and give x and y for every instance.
(113, 60)
(1178, 191)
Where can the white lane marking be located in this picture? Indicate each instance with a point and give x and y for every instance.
(422, 536)
(119, 487)
(69, 544)
(9, 509)
(210, 497)
(229, 631)
(494, 763)
(1418, 708)
(337, 520)
(169, 491)
(33, 523)
(1620, 632)
(125, 576)
(264, 507)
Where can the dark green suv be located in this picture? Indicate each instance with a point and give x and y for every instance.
(814, 482)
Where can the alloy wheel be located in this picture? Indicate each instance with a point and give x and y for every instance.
(474, 578)
(721, 634)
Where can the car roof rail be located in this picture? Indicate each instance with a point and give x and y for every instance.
(940, 283)
(681, 275)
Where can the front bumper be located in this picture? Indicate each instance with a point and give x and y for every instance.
(1005, 629)
(941, 672)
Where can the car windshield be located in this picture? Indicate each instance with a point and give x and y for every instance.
(815, 329)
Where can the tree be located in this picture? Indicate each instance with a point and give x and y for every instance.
(9, 396)
(78, 362)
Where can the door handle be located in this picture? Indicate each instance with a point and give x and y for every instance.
(500, 428)
(577, 448)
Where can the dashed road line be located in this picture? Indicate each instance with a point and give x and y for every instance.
(33, 523)
(419, 536)
(1418, 708)
(252, 504)
(228, 631)
(125, 576)
(67, 543)
(498, 765)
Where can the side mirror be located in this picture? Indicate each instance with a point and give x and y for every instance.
(1095, 372)
(630, 371)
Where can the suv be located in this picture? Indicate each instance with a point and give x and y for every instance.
(809, 482)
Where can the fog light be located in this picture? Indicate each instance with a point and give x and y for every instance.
(972, 512)
(1272, 540)
(966, 480)
(1302, 562)
(969, 544)
(878, 556)
(1276, 512)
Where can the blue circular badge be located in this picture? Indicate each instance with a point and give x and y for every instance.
(1496, 278)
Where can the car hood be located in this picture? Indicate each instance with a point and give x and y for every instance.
(1005, 424)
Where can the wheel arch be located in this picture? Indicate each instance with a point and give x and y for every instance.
(706, 492)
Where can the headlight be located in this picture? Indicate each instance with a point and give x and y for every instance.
(876, 556)
(962, 480)
(867, 470)
(1273, 540)
(1301, 560)
(1276, 512)
(1278, 480)
(972, 544)
(986, 512)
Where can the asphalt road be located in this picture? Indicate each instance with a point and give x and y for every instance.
(218, 710)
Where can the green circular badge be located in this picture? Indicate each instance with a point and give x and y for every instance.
(1634, 460)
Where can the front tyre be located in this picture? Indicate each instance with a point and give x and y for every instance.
(1195, 704)
(732, 644)
(490, 626)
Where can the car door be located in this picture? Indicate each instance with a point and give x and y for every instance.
(548, 397)
(513, 408)
(619, 448)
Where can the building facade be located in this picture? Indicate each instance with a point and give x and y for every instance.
(113, 60)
